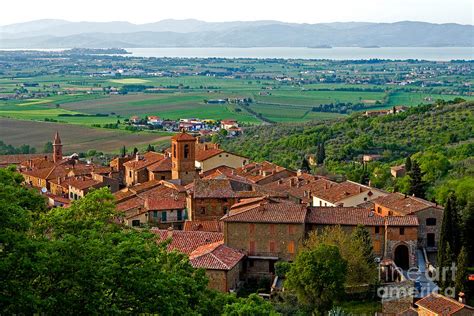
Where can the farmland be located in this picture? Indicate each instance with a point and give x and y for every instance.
(75, 138)
(84, 91)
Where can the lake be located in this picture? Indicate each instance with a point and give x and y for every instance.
(335, 53)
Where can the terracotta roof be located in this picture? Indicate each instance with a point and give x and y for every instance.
(17, 159)
(129, 204)
(206, 154)
(300, 186)
(205, 226)
(226, 170)
(255, 171)
(164, 198)
(343, 216)
(408, 220)
(340, 191)
(408, 312)
(403, 204)
(143, 161)
(160, 166)
(441, 305)
(182, 136)
(187, 241)
(84, 183)
(215, 256)
(123, 195)
(213, 188)
(266, 210)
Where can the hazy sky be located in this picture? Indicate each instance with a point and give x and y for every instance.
(301, 11)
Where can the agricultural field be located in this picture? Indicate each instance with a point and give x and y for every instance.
(75, 138)
(91, 91)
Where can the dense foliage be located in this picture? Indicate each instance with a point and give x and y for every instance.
(77, 261)
(438, 136)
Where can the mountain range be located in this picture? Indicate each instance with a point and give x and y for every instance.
(195, 33)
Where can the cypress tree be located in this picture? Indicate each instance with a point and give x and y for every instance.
(467, 235)
(450, 232)
(417, 185)
(124, 151)
(461, 272)
(408, 164)
(361, 233)
(320, 153)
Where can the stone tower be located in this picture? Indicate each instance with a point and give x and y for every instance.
(183, 152)
(57, 148)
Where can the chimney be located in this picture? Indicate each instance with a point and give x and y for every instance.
(170, 232)
(462, 298)
(232, 172)
(360, 189)
(137, 157)
(59, 180)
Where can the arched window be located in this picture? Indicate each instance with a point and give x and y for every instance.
(174, 150)
(186, 151)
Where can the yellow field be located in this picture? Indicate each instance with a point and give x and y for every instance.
(35, 102)
(129, 81)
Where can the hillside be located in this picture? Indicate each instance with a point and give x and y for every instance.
(440, 136)
(194, 33)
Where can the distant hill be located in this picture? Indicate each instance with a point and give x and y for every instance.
(195, 33)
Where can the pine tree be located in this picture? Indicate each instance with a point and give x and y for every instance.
(124, 151)
(135, 151)
(408, 164)
(305, 165)
(446, 278)
(461, 272)
(417, 185)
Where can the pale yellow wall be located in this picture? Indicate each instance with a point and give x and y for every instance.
(222, 159)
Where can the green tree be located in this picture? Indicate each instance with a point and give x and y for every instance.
(467, 235)
(253, 305)
(461, 283)
(408, 164)
(320, 153)
(150, 148)
(305, 165)
(362, 234)
(124, 151)
(417, 185)
(317, 277)
(48, 147)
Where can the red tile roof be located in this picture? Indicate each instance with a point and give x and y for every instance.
(255, 171)
(343, 216)
(205, 226)
(206, 154)
(442, 305)
(187, 241)
(17, 159)
(215, 256)
(161, 166)
(301, 186)
(408, 220)
(213, 188)
(164, 198)
(133, 203)
(83, 183)
(404, 204)
(340, 191)
(143, 161)
(266, 210)
(182, 136)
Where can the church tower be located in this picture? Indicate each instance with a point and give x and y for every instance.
(57, 148)
(183, 152)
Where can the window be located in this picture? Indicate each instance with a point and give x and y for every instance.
(320, 203)
(155, 213)
(186, 151)
(291, 247)
(252, 247)
(365, 199)
(163, 216)
(224, 210)
(377, 246)
(271, 246)
(291, 229)
(203, 210)
(251, 228)
(174, 150)
(163, 177)
(180, 215)
(379, 210)
(272, 229)
(390, 213)
(402, 230)
(130, 174)
(431, 222)
(135, 222)
(377, 230)
(430, 240)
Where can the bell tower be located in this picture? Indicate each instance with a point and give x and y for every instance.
(57, 148)
(183, 152)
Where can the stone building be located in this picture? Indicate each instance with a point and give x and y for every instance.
(183, 152)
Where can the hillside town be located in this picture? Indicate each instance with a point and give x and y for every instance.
(237, 218)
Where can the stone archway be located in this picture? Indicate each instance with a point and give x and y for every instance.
(402, 256)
